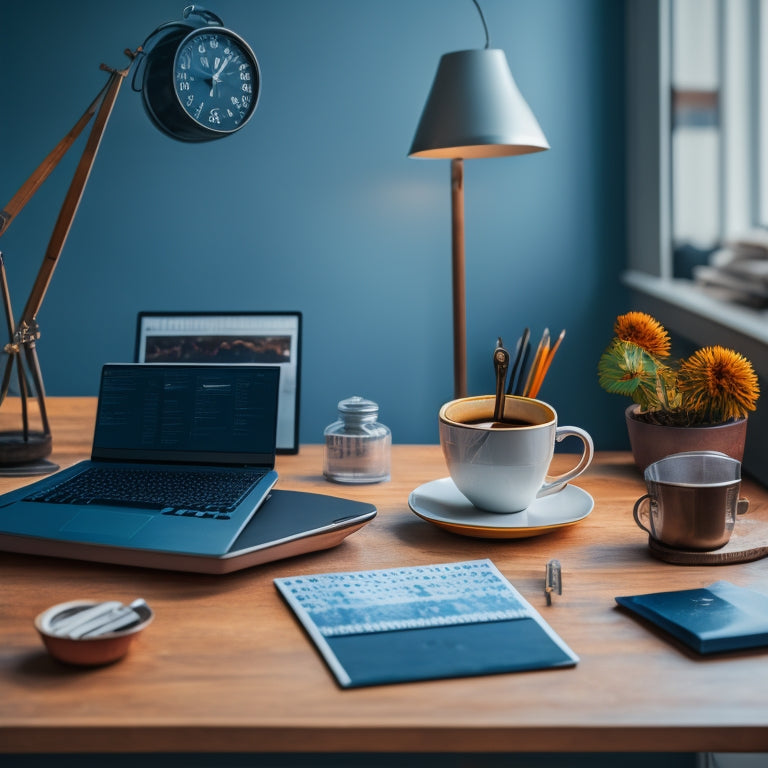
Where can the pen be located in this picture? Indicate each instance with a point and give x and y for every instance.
(541, 351)
(521, 343)
(526, 348)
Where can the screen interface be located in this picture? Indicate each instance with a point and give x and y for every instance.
(201, 413)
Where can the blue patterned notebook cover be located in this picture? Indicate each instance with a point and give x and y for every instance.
(422, 622)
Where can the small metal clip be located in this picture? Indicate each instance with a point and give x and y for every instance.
(554, 580)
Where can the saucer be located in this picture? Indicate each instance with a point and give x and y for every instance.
(749, 541)
(440, 502)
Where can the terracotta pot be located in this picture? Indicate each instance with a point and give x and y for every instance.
(650, 442)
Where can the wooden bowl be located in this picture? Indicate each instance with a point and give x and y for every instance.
(88, 651)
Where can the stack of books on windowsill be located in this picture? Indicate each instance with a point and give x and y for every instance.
(738, 272)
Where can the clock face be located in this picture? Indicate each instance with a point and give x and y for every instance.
(216, 79)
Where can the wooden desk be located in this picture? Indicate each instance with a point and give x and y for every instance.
(225, 667)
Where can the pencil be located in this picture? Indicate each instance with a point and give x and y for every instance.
(540, 379)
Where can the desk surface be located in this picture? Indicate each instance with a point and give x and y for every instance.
(225, 666)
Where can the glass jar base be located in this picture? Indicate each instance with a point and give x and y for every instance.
(355, 479)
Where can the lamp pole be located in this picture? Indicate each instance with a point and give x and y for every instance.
(459, 281)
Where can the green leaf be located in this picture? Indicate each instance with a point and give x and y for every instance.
(627, 369)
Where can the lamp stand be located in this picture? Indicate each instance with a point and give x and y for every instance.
(459, 283)
(23, 452)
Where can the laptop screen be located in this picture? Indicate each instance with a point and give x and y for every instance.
(201, 414)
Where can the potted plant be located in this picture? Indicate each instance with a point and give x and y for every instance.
(697, 403)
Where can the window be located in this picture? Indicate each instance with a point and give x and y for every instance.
(715, 74)
(697, 171)
(697, 143)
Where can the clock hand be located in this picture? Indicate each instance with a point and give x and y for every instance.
(221, 68)
(216, 75)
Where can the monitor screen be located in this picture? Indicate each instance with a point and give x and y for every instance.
(257, 338)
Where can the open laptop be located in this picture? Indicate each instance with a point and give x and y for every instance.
(182, 457)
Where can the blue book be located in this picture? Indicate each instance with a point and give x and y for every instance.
(422, 622)
(720, 617)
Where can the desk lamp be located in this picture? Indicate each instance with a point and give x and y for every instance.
(199, 81)
(473, 110)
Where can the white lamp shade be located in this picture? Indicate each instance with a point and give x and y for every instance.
(475, 109)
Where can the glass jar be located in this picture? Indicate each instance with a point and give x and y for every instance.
(357, 447)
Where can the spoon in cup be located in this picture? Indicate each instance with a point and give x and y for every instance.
(500, 364)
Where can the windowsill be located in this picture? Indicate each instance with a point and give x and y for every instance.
(703, 319)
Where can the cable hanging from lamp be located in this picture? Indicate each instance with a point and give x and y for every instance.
(485, 26)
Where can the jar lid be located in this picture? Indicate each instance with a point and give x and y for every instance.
(357, 405)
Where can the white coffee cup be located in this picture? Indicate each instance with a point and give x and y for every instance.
(502, 467)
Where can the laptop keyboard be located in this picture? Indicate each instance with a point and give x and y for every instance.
(200, 494)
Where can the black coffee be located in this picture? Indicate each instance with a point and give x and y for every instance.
(505, 424)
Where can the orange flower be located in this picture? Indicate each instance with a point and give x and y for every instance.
(718, 383)
(643, 330)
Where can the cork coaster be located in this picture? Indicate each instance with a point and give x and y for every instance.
(749, 541)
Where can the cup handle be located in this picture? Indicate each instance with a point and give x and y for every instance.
(742, 506)
(639, 511)
(554, 484)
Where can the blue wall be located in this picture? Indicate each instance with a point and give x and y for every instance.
(315, 206)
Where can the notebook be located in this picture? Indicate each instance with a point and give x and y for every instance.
(421, 623)
(182, 457)
(719, 617)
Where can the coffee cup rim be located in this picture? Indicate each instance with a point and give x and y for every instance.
(719, 455)
(656, 467)
(535, 403)
(715, 484)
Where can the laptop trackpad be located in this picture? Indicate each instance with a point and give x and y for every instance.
(118, 526)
